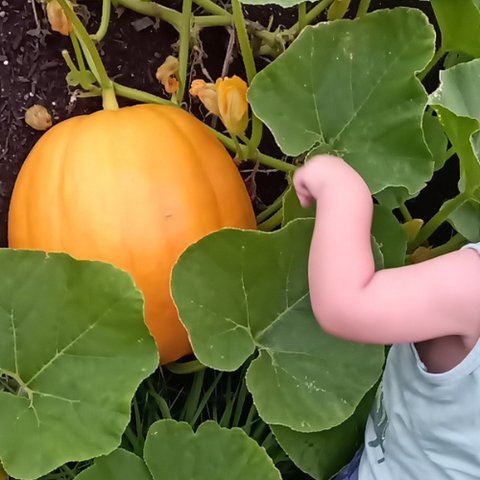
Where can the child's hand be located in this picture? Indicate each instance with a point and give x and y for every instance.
(310, 179)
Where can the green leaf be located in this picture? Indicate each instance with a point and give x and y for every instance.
(292, 209)
(466, 220)
(392, 197)
(323, 454)
(72, 335)
(436, 139)
(377, 255)
(174, 452)
(74, 78)
(349, 88)
(457, 102)
(119, 465)
(459, 22)
(242, 291)
(390, 236)
(454, 58)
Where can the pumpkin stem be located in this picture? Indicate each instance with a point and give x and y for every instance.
(93, 58)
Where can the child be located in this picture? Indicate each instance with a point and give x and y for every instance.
(425, 424)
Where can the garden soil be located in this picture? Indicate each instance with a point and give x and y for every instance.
(32, 71)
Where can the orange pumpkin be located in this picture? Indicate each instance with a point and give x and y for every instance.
(132, 187)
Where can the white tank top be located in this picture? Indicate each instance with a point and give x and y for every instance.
(424, 426)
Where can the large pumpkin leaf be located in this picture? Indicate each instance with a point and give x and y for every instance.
(392, 197)
(241, 291)
(457, 102)
(459, 22)
(72, 337)
(119, 465)
(174, 452)
(323, 454)
(349, 88)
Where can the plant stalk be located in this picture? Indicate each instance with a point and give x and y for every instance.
(363, 8)
(153, 9)
(244, 41)
(404, 211)
(184, 48)
(313, 13)
(452, 245)
(109, 100)
(138, 95)
(212, 7)
(273, 222)
(102, 29)
(437, 220)
(302, 16)
(436, 58)
(212, 21)
(185, 368)
(272, 209)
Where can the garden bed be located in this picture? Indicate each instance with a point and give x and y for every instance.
(256, 379)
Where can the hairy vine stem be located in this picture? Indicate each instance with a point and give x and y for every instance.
(93, 58)
(102, 29)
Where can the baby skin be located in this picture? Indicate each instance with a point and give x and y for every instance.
(434, 305)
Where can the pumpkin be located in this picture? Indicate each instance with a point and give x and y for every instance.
(133, 187)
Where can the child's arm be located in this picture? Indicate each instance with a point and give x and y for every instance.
(429, 300)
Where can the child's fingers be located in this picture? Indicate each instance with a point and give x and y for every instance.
(302, 190)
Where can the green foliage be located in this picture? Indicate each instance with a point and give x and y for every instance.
(324, 454)
(73, 344)
(73, 349)
(457, 102)
(459, 22)
(174, 452)
(119, 465)
(349, 88)
(308, 381)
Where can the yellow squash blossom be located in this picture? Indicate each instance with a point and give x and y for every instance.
(57, 18)
(207, 94)
(233, 104)
(166, 74)
(227, 99)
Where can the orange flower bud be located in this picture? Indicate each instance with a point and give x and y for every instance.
(207, 94)
(57, 18)
(38, 118)
(233, 104)
(166, 74)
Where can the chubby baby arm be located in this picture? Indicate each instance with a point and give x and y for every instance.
(433, 299)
